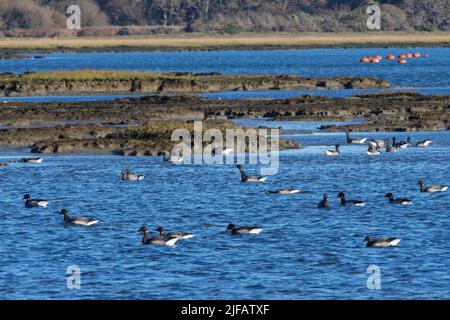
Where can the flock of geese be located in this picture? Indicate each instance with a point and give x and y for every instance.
(169, 239)
(375, 146)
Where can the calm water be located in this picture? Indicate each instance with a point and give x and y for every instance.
(426, 75)
(302, 253)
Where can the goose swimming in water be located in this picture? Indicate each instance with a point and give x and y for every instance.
(82, 221)
(283, 191)
(437, 188)
(403, 201)
(246, 178)
(34, 203)
(335, 152)
(379, 143)
(128, 176)
(180, 235)
(158, 240)
(31, 160)
(405, 144)
(373, 151)
(424, 143)
(354, 140)
(381, 243)
(324, 203)
(345, 202)
(244, 230)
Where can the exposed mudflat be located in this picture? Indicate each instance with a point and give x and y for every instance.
(142, 126)
(94, 82)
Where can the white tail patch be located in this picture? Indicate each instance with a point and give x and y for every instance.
(188, 236)
(444, 189)
(171, 242)
(373, 153)
(262, 179)
(294, 191)
(331, 153)
(360, 204)
(395, 242)
(255, 230)
(407, 203)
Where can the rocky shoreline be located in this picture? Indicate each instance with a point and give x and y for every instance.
(142, 126)
(113, 82)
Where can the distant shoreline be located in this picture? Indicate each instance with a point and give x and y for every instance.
(244, 41)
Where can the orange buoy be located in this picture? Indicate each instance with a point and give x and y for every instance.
(402, 61)
(409, 55)
(416, 55)
(390, 57)
(364, 59)
(426, 55)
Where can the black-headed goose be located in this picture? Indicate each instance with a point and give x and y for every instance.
(345, 202)
(246, 178)
(334, 152)
(283, 191)
(31, 160)
(324, 203)
(244, 230)
(181, 235)
(81, 221)
(34, 203)
(158, 240)
(424, 143)
(436, 188)
(405, 144)
(403, 201)
(354, 140)
(381, 242)
(128, 176)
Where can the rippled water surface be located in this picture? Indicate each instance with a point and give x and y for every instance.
(303, 252)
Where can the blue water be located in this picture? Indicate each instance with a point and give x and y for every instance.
(423, 72)
(302, 253)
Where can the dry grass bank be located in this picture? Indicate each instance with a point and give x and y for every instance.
(205, 41)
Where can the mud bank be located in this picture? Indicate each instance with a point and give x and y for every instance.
(113, 82)
(143, 126)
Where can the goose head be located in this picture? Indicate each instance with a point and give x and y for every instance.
(64, 211)
(341, 195)
(160, 229)
(143, 229)
(325, 196)
(26, 197)
(420, 183)
(231, 227)
(389, 195)
(239, 166)
(368, 238)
